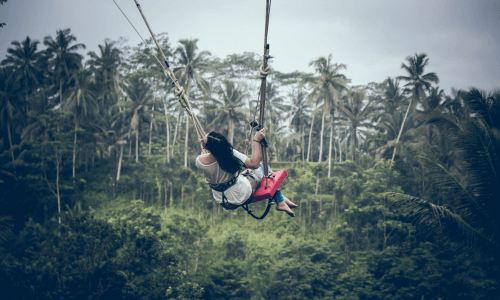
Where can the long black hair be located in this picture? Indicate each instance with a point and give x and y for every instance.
(222, 150)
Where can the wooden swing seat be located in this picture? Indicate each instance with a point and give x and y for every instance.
(274, 182)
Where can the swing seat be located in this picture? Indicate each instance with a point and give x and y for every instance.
(273, 185)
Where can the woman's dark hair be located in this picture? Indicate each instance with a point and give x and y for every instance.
(222, 150)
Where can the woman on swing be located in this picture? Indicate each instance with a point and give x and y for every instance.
(220, 163)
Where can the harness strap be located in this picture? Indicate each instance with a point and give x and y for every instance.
(222, 187)
(249, 211)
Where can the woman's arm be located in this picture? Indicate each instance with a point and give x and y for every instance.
(254, 161)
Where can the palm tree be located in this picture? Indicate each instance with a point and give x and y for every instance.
(327, 88)
(387, 132)
(81, 102)
(356, 114)
(64, 59)
(388, 117)
(431, 107)
(313, 114)
(455, 104)
(110, 140)
(167, 119)
(300, 116)
(143, 57)
(105, 69)
(41, 105)
(24, 63)
(135, 112)
(394, 98)
(276, 109)
(472, 218)
(191, 63)
(417, 83)
(230, 108)
(7, 105)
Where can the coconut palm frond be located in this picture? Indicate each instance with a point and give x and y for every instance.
(5, 227)
(440, 220)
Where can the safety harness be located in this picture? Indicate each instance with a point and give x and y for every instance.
(222, 187)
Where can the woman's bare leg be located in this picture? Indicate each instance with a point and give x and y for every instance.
(282, 206)
(290, 203)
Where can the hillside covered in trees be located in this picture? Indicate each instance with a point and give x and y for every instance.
(397, 182)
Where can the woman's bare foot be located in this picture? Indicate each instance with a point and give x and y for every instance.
(290, 203)
(282, 206)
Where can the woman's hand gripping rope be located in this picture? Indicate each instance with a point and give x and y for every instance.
(202, 142)
(260, 135)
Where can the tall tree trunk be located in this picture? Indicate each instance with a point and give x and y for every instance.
(346, 146)
(150, 132)
(152, 112)
(310, 136)
(400, 131)
(117, 91)
(303, 143)
(354, 143)
(330, 149)
(335, 151)
(58, 160)
(289, 125)
(168, 131)
(321, 136)
(187, 130)
(119, 163)
(340, 145)
(137, 145)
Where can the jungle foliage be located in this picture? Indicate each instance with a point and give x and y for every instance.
(397, 185)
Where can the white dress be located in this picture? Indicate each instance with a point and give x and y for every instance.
(238, 193)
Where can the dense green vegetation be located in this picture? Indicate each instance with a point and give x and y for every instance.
(397, 185)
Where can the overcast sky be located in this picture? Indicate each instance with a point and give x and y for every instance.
(460, 37)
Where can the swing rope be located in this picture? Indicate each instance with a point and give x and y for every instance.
(179, 90)
(183, 98)
(261, 98)
(264, 71)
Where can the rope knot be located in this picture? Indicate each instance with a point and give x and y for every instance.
(264, 72)
(180, 92)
